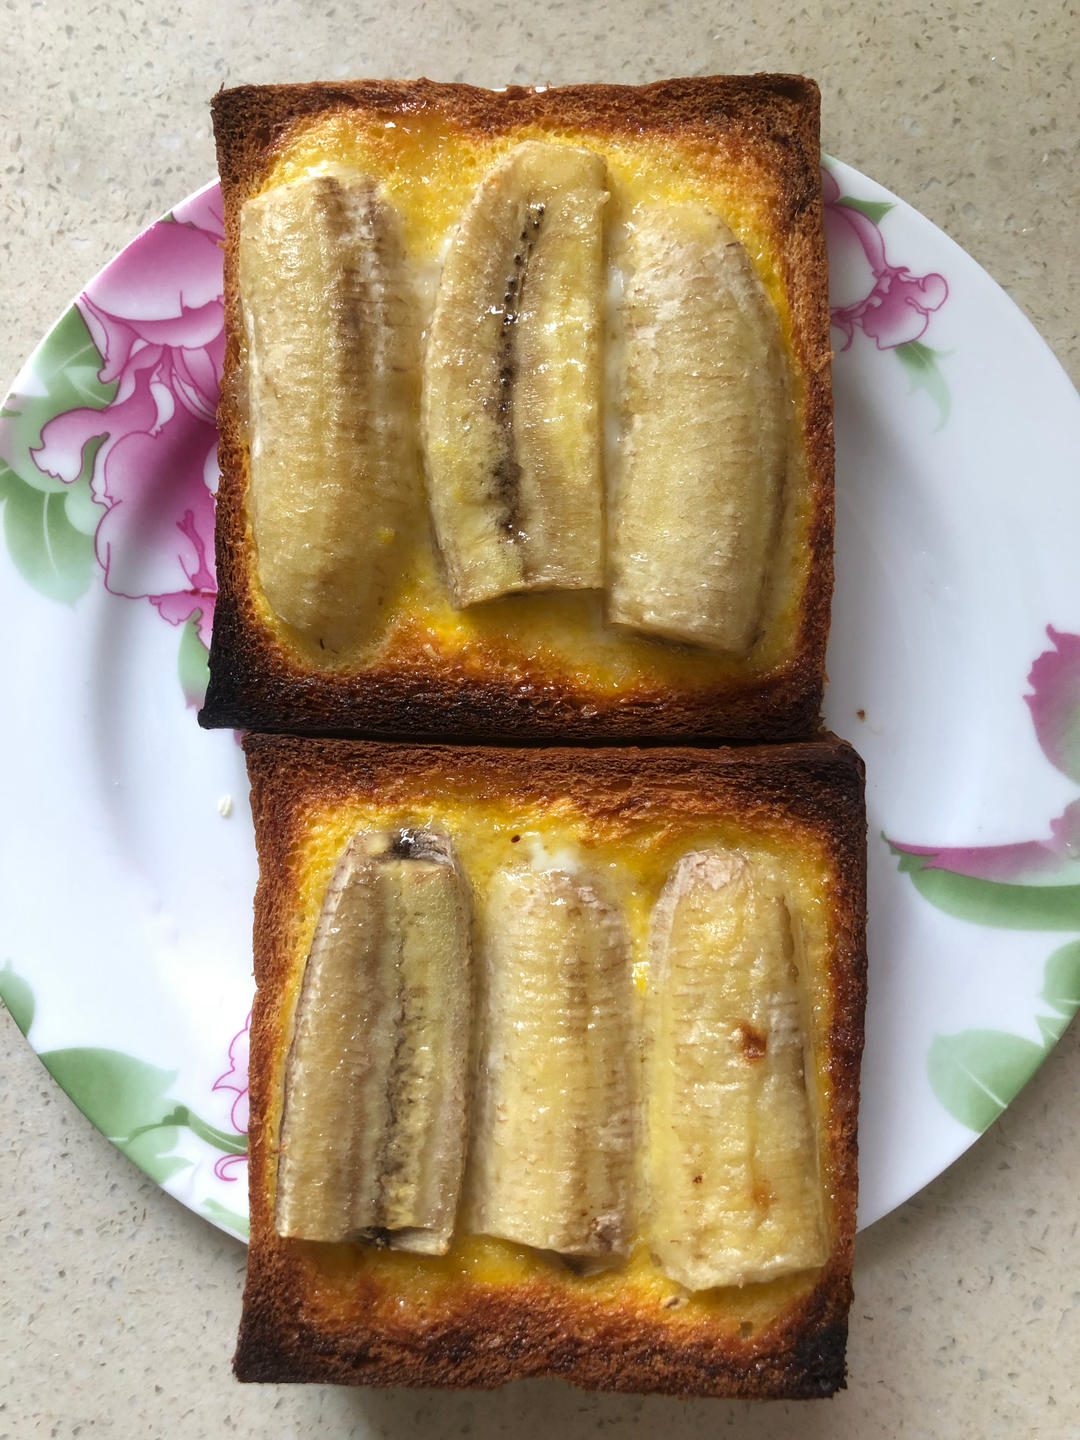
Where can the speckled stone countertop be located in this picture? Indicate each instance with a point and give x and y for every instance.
(119, 1308)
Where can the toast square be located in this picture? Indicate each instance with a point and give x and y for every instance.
(547, 664)
(488, 1310)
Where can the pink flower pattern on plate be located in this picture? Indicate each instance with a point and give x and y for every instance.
(886, 302)
(1054, 703)
(157, 317)
(236, 1078)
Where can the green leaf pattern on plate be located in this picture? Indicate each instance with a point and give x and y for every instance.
(127, 1099)
(18, 997)
(49, 523)
(49, 552)
(152, 1151)
(874, 210)
(116, 1092)
(231, 1219)
(921, 363)
(1061, 980)
(976, 1073)
(991, 902)
(193, 662)
(66, 374)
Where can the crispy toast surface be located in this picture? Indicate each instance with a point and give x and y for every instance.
(489, 1311)
(538, 666)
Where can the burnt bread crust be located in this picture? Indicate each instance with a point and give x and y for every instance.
(482, 1335)
(768, 128)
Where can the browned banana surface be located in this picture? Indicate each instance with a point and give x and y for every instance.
(373, 1129)
(333, 352)
(513, 376)
(551, 1152)
(733, 1179)
(702, 410)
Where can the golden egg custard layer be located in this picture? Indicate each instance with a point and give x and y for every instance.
(635, 863)
(431, 167)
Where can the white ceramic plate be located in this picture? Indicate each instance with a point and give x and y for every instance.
(127, 865)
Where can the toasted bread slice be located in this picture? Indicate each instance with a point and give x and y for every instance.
(373, 624)
(746, 1292)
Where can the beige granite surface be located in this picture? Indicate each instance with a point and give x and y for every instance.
(118, 1308)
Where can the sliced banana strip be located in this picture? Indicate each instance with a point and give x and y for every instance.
(333, 353)
(551, 1152)
(732, 1168)
(512, 380)
(372, 1137)
(702, 412)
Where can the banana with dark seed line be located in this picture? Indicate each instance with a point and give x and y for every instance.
(332, 354)
(372, 1139)
(512, 379)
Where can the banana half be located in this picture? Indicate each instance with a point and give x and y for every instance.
(732, 1166)
(372, 1139)
(702, 409)
(552, 1146)
(512, 380)
(332, 332)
